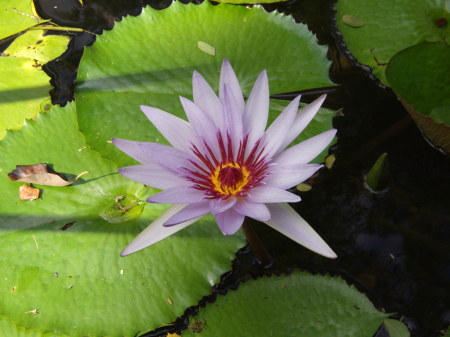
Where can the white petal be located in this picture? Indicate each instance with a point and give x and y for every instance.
(287, 177)
(277, 131)
(286, 220)
(257, 109)
(268, 194)
(177, 131)
(153, 175)
(205, 97)
(156, 231)
(131, 148)
(253, 210)
(232, 119)
(189, 212)
(219, 205)
(302, 120)
(229, 221)
(228, 77)
(169, 157)
(200, 121)
(305, 151)
(177, 195)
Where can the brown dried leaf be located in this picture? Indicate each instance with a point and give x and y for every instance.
(40, 174)
(26, 192)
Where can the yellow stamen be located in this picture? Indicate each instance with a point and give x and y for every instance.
(227, 181)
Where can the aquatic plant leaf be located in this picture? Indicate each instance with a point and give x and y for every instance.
(396, 328)
(111, 85)
(41, 174)
(300, 304)
(63, 271)
(419, 76)
(374, 43)
(23, 84)
(9, 329)
(16, 16)
(22, 89)
(34, 45)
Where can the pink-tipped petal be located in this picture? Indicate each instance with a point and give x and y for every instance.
(177, 131)
(269, 194)
(169, 157)
(302, 120)
(278, 130)
(228, 77)
(132, 149)
(229, 221)
(156, 231)
(257, 109)
(288, 177)
(205, 98)
(220, 205)
(153, 175)
(305, 151)
(286, 220)
(177, 195)
(189, 212)
(253, 210)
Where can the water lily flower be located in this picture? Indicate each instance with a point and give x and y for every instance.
(223, 161)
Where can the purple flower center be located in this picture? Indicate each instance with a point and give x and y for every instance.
(224, 175)
(230, 176)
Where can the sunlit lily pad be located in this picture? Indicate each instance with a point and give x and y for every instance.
(112, 85)
(23, 86)
(300, 304)
(386, 28)
(23, 83)
(16, 16)
(9, 329)
(35, 46)
(63, 272)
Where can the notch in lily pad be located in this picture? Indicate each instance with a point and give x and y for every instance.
(122, 208)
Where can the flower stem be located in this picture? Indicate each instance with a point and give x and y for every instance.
(261, 253)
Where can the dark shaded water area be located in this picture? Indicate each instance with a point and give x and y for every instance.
(394, 245)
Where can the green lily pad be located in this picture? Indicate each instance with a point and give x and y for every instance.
(23, 86)
(34, 45)
(386, 28)
(420, 75)
(9, 329)
(16, 16)
(300, 304)
(112, 85)
(63, 272)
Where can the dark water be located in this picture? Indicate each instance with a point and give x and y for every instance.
(394, 246)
